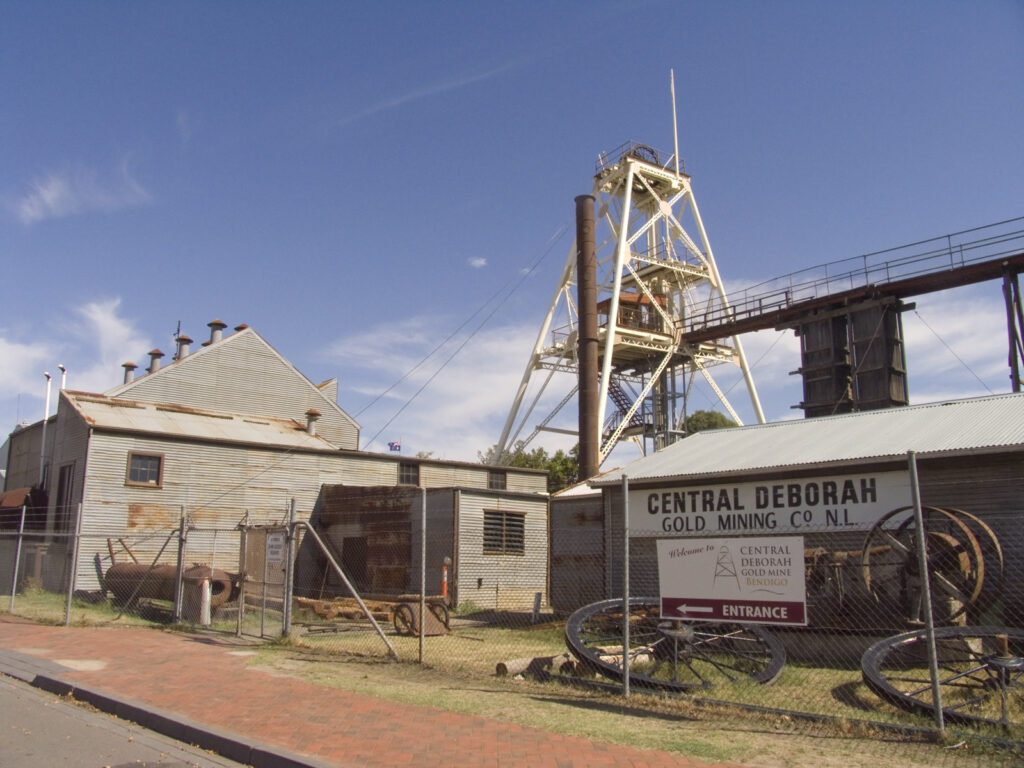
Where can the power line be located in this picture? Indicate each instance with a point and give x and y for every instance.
(954, 354)
(515, 285)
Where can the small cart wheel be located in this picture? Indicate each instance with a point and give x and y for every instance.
(440, 610)
(404, 619)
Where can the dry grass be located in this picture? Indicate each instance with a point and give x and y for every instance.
(674, 724)
(458, 674)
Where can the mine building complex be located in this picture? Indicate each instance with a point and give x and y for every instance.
(232, 432)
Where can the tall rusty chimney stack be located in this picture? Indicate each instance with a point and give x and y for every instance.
(587, 349)
(154, 360)
(129, 371)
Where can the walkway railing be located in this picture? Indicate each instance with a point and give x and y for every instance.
(939, 254)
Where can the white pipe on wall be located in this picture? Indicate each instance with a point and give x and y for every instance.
(42, 443)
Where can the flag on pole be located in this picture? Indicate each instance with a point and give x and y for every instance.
(395, 446)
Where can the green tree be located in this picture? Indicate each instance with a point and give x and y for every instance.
(698, 421)
(563, 468)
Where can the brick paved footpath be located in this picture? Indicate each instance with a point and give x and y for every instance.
(198, 689)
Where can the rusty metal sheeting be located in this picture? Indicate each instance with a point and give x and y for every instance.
(131, 581)
(588, 345)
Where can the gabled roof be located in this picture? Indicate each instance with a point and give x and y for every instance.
(959, 427)
(168, 420)
(158, 386)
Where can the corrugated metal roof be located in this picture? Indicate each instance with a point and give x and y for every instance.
(580, 490)
(960, 426)
(586, 487)
(178, 421)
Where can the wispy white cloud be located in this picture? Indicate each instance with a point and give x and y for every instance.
(71, 193)
(112, 340)
(462, 410)
(465, 397)
(91, 341)
(22, 364)
(464, 407)
(771, 355)
(390, 346)
(425, 92)
(477, 262)
(957, 344)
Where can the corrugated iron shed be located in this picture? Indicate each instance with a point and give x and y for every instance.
(116, 414)
(958, 427)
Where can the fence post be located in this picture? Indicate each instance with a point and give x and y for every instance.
(926, 591)
(625, 586)
(180, 567)
(17, 557)
(423, 570)
(289, 572)
(73, 564)
(242, 577)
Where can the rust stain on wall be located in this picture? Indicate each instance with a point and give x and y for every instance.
(151, 516)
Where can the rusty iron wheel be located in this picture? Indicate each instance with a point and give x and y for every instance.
(671, 654)
(981, 673)
(954, 559)
(992, 555)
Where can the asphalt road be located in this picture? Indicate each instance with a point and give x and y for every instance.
(40, 729)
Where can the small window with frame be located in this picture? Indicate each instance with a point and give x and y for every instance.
(145, 470)
(497, 480)
(408, 473)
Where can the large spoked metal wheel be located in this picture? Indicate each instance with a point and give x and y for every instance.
(955, 562)
(981, 673)
(991, 557)
(668, 653)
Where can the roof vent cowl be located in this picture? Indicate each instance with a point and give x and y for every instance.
(183, 345)
(311, 418)
(216, 330)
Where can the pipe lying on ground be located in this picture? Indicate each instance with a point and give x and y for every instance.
(132, 581)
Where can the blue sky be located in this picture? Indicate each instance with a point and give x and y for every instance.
(356, 180)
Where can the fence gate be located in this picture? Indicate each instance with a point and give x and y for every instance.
(263, 560)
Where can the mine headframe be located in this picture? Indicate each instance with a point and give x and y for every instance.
(639, 276)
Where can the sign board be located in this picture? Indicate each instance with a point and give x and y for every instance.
(743, 580)
(795, 505)
(275, 548)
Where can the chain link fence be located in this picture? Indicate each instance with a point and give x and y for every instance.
(913, 629)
